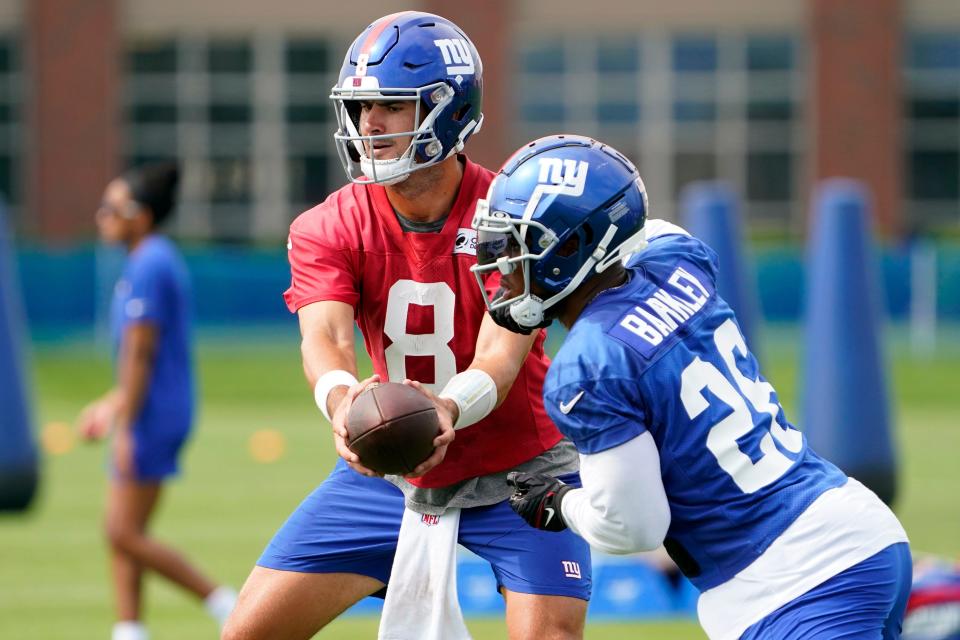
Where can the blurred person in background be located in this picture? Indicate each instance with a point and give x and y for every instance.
(682, 441)
(933, 611)
(392, 251)
(149, 412)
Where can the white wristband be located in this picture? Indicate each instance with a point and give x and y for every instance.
(325, 385)
(475, 394)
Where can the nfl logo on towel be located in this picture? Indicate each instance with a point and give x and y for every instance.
(429, 520)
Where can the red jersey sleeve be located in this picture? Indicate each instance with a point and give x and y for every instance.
(324, 254)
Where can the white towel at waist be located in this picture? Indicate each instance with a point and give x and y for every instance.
(421, 601)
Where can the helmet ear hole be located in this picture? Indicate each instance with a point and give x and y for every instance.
(462, 112)
(353, 111)
(425, 109)
(570, 247)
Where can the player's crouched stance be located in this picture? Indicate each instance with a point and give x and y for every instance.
(682, 441)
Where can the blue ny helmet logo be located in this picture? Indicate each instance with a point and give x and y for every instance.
(456, 55)
(562, 176)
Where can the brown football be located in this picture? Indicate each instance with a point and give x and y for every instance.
(391, 426)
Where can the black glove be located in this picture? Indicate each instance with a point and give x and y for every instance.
(536, 498)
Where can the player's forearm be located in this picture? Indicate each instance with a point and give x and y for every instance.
(112, 398)
(328, 343)
(485, 384)
(622, 507)
(134, 372)
(322, 354)
(333, 364)
(329, 361)
(501, 355)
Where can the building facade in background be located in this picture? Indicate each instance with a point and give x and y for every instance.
(698, 90)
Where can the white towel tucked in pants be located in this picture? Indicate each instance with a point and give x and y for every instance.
(421, 601)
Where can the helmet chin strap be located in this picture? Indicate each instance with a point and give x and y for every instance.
(384, 172)
(503, 318)
(517, 321)
(529, 313)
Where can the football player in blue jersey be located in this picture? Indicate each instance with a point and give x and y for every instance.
(682, 441)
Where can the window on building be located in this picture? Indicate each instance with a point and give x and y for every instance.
(247, 118)
(694, 54)
(932, 130)
(685, 106)
(10, 112)
(693, 166)
(933, 175)
(694, 60)
(541, 83)
(772, 120)
(618, 69)
(151, 101)
(769, 176)
(314, 169)
(309, 176)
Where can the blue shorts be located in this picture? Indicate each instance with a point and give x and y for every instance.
(156, 449)
(350, 524)
(866, 601)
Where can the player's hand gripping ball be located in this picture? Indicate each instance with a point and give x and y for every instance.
(391, 426)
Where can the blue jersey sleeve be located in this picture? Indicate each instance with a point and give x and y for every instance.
(596, 414)
(146, 300)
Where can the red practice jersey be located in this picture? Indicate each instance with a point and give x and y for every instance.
(419, 309)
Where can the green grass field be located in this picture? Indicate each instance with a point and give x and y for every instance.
(53, 572)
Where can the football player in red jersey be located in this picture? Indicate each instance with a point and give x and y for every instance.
(392, 252)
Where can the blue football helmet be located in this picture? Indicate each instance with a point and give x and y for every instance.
(411, 56)
(563, 208)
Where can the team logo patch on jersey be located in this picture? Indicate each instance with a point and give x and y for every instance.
(135, 308)
(571, 569)
(466, 242)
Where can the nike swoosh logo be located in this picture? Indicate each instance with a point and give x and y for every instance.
(565, 407)
(549, 511)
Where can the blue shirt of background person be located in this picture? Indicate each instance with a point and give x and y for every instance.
(149, 411)
(155, 289)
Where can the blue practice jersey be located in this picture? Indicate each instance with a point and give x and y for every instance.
(154, 288)
(663, 353)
